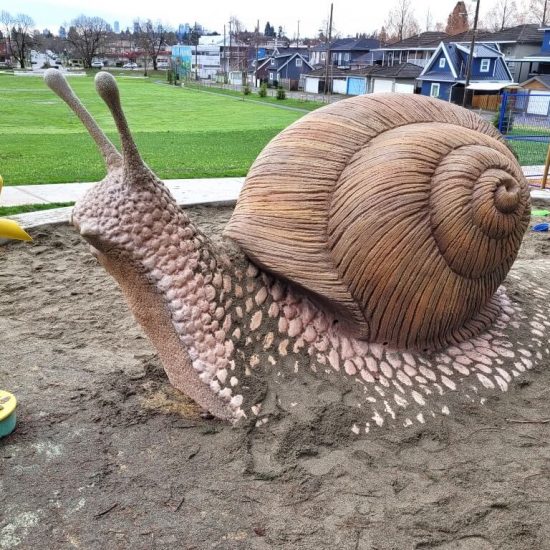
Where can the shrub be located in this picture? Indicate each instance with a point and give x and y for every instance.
(281, 94)
(247, 90)
(263, 90)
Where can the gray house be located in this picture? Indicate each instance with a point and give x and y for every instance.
(283, 70)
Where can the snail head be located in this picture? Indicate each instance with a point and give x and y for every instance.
(111, 213)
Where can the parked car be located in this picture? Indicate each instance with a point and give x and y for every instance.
(130, 66)
(97, 64)
(162, 65)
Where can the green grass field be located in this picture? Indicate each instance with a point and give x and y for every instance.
(181, 133)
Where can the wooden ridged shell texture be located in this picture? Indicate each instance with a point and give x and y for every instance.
(401, 213)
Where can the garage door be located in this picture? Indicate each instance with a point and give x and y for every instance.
(382, 86)
(404, 88)
(539, 103)
(312, 85)
(357, 86)
(339, 86)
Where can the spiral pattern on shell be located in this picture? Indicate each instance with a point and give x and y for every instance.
(402, 214)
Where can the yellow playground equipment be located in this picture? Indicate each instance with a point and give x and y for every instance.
(10, 229)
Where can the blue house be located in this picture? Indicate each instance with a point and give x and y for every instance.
(444, 76)
(286, 68)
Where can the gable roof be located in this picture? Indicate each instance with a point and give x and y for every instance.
(428, 39)
(457, 55)
(542, 78)
(291, 57)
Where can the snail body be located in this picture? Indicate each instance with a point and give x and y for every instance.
(371, 258)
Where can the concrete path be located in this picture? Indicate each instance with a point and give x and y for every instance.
(220, 191)
(196, 190)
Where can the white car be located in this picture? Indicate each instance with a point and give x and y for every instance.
(130, 66)
(97, 64)
(162, 65)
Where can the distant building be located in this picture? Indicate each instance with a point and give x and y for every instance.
(116, 27)
(444, 77)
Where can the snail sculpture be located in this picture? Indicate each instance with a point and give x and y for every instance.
(373, 236)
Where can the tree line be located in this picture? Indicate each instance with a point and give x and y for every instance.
(88, 36)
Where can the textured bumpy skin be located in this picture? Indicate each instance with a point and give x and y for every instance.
(393, 209)
(231, 335)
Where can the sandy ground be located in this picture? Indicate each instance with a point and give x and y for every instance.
(108, 455)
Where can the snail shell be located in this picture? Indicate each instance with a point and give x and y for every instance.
(402, 214)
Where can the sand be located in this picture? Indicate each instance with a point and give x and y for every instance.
(108, 455)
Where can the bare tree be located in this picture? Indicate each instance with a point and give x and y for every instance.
(539, 12)
(401, 22)
(458, 20)
(18, 36)
(152, 39)
(504, 14)
(87, 35)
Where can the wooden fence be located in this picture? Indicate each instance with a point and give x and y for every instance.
(486, 102)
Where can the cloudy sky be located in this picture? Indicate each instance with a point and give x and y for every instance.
(350, 16)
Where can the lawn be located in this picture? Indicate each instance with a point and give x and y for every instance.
(181, 133)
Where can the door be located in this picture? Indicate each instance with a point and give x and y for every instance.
(381, 85)
(339, 86)
(539, 104)
(357, 86)
(312, 85)
(404, 88)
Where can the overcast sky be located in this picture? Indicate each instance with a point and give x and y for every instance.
(350, 16)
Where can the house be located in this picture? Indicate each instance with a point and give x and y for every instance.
(285, 69)
(538, 100)
(444, 76)
(539, 62)
(346, 53)
(400, 78)
(417, 49)
(517, 43)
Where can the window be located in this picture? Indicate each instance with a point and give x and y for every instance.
(334, 56)
(347, 56)
(323, 56)
(442, 63)
(271, 75)
(298, 62)
(485, 65)
(272, 61)
(434, 90)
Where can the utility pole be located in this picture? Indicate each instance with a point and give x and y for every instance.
(298, 35)
(257, 40)
(230, 45)
(196, 39)
(327, 61)
(544, 13)
(224, 60)
(471, 58)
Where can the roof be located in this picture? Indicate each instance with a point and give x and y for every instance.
(520, 33)
(422, 40)
(457, 55)
(481, 36)
(488, 86)
(480, 50)
(348, 44)
(400, 70)
(542, 78)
